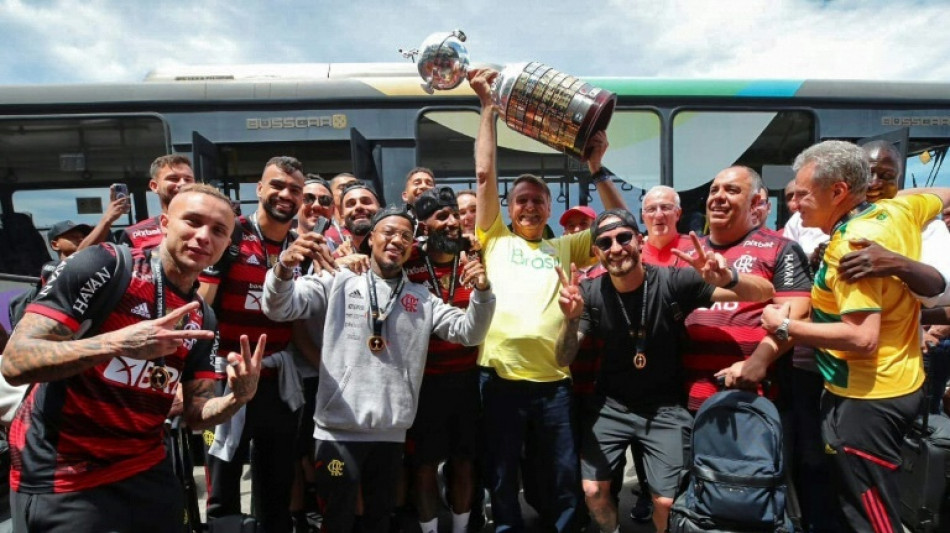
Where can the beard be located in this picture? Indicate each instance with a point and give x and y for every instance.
(272, 212)
(441, 242)
(359, 227)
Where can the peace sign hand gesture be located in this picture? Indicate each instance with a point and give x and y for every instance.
(244, 369)
(710, 265)
(570, 299)
(151, 339)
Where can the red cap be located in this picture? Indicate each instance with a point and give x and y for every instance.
(578, 210)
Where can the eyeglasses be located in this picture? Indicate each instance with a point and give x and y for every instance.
(665, 208)
(606, 242)
(390, 234)
(324, 199)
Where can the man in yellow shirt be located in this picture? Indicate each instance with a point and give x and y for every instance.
(523, 387)
(865, 331)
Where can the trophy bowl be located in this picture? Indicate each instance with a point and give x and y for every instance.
(549, 106)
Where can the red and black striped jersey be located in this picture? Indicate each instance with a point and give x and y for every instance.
(443, 357)
(104, 424)
(241, 291)
(145, 234)
(728, 332)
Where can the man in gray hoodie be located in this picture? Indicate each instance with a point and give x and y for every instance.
(375, 340)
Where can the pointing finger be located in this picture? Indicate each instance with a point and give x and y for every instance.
(563, 277)
(700, 253)
(175, 315)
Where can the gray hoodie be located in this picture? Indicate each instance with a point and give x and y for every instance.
(365, 396)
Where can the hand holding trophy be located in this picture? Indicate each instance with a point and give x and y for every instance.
(535, 100)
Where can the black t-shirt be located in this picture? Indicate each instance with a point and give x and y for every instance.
(672, 293)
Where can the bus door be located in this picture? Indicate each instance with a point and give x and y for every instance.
(365, 160)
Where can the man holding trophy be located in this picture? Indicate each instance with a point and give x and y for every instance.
(520, 379)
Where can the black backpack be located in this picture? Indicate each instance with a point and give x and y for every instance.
(736, 480)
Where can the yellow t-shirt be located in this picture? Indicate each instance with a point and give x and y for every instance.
(520, 341)
(896, 369)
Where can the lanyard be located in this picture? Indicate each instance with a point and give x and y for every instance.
(379, 317)
(159, 376)
(260, 235)
(640, 332)
(436, 287)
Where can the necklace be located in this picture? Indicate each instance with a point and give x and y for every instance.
(436, 285)
(159, 376)
(377, 342)
(271, 259)
(638, 333)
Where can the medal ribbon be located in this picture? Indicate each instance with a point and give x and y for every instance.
(260, 235)
(379, 317)
(436, 287)
(158, 280)
(640, 332)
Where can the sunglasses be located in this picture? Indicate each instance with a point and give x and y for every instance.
(606, 242)
(325, 199)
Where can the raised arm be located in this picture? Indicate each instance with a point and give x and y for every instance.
(487, 205)
(940, 192)
(100, 233)
(602, 178)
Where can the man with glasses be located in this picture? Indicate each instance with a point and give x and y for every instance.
(375, 339)
(661, 213)
(637, 312)
(316, 210)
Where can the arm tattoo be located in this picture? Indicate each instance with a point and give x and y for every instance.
(41, 349)
(202, 408)
(568, 341)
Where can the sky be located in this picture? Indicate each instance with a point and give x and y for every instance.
(70, 41)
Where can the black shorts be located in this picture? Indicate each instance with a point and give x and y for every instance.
(661, 434)
(448, 419)
(305, 442)
(156, 498)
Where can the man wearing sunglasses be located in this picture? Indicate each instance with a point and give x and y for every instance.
(316, 210)
(726, 335)
(523, 386)
(637, 312)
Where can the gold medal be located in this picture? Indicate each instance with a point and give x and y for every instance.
(376, 343)
(640, 361)
(159, 377)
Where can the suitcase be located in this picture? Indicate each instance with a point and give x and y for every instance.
(923, 475)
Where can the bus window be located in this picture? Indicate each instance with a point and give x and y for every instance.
(48, 206)
(705, 142)
(446, 145)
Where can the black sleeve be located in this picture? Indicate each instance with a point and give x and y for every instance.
(120, 236)
(69, 292)
(689, 288)
(791, 272)
(590, 316)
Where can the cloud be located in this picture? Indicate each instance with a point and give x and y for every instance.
(111, 40)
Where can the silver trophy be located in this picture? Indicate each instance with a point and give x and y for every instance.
(535, 100)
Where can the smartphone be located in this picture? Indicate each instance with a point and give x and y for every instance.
(120, 190)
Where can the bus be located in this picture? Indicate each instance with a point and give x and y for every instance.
(61, 146)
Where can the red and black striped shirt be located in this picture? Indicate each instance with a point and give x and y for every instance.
(104, 424)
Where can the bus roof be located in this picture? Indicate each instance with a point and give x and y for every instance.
(372, 81)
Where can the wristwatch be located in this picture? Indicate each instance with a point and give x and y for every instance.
(781, 333)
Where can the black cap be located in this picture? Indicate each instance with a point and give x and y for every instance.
(63, 226)
(358, 185)
(627, 220)
(432, 200)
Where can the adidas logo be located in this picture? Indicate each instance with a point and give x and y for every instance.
(141, 310)
(355, 294)
(253, 260)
